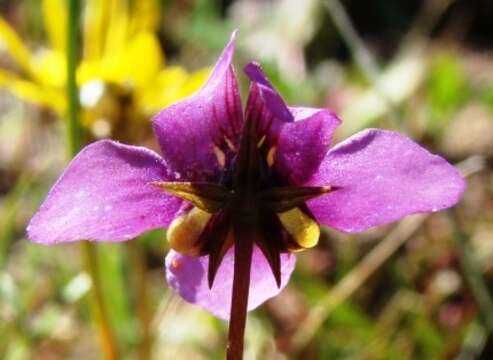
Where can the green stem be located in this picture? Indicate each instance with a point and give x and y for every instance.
(473, 275)
(98, 309)
(74, 140)
(139, 266)
(74, 131)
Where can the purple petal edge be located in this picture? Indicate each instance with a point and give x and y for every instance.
(272, 101)
(105, 194)
(188, 277)
(383, 176)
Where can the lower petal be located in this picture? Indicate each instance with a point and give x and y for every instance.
(382, 176)
(188, 277)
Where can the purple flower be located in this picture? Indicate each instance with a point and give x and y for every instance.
(251, 187)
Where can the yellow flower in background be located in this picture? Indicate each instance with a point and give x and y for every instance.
(122, 77)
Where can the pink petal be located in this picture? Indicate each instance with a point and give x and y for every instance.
(105, 195)
(302, 144)
(269, 100)
(302, 135)
(383, 176)
(188, 276)
(195, 133)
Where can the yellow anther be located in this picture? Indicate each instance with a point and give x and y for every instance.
(221, 157)
(185, 230)
(261, 142)
(304, 230)
(270, 155)
(229, 143)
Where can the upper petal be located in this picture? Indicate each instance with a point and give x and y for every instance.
(188, 276)
(269, 99)
(105, 193)
(382, 176)
(200, 134)
(265, 107)
(300, 135)
(302, 144)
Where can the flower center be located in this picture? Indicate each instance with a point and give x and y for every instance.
(252, 194)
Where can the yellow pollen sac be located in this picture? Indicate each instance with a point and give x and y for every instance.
(304, 230)
(221, 157)
(270, 155)
(229, 143)
(261, 142)
(184, 232)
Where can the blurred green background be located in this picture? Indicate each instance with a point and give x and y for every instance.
(419, 289)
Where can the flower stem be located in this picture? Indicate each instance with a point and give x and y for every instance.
(74, 140)
(241, 286)
(73, 128)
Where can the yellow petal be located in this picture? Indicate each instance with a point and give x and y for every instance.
(32, 92)
(171, 84)
(118, 28)
(304, 230)
(14, 45)
(184, 232)
(145, 16)
(49, 68)
(55, 23)
(194, 81)
(89, 71)
(138, 64)
(95, 22)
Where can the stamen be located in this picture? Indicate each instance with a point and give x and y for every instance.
(270, 156)
(304, 230)
(184, 232)
(221, 157)
(261, 142)
(229, 143)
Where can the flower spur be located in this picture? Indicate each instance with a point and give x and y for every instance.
(242, 191)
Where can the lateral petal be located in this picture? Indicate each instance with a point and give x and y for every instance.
(105, 194)
(382, 176)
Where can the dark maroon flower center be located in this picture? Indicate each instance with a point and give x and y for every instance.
(252, 197)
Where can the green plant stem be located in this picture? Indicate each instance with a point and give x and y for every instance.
(74, 140)
(12, 203)
(73, 128)
(473, 274)
(139, 267)
(98, 309)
